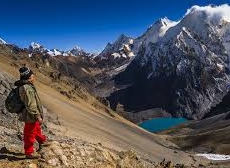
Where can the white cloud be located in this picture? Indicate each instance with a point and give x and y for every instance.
(213, 13)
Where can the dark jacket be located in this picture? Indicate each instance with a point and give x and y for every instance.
(33, 108)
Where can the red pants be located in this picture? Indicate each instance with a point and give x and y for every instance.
(32, 132)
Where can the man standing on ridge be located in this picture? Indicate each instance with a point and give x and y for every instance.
(32, 113)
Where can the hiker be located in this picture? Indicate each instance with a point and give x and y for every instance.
(32, 113)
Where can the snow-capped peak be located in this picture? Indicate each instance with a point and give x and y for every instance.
(121, 41)
(2, 41)
(120, 48)
(159, 28)
(213, 14)
(165, 22)
(55, 52)
(127, 47)
(199, 27)
(76, 51)
(201, 20)
(35, 45)
(154, 33)
(77, 48)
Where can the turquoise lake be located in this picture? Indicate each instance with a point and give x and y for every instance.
(160, 124)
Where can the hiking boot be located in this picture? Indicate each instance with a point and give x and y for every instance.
(33, 156)
(44, 144)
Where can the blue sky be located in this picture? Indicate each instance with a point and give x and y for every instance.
(90, 24)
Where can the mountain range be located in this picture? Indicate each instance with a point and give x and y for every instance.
(180, 67)
(76, 51)
(185, 72)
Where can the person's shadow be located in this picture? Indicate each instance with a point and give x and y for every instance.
(11, 156)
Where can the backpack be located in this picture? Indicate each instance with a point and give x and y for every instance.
(13, 101)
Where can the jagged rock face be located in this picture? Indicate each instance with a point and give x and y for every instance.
(154, 33)
(6, 119)
(222, 107)
(118, 48)
(77, 51)
(116, 54)
(186, 72)
(119, 54)
(125, 48)
(9, 120)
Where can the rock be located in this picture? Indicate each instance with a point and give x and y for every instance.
(63, 158)
(4, 150)
(129, 159)
(32, 165)
(53, 162)
(57, 151)
(82, 153)
(99, 148)
(78, 158)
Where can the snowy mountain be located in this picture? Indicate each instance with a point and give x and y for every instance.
(127, 47)
(76, 51)
(38, 48)
(119, 54)
(154, 33)
(2, 41)
(120, 48)
(185, 70)
(55, 52)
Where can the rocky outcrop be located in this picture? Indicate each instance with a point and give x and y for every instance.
(75, 154)
(7, 119)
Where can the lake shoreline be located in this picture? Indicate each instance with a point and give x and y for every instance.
(142, 116)
(159, 124)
